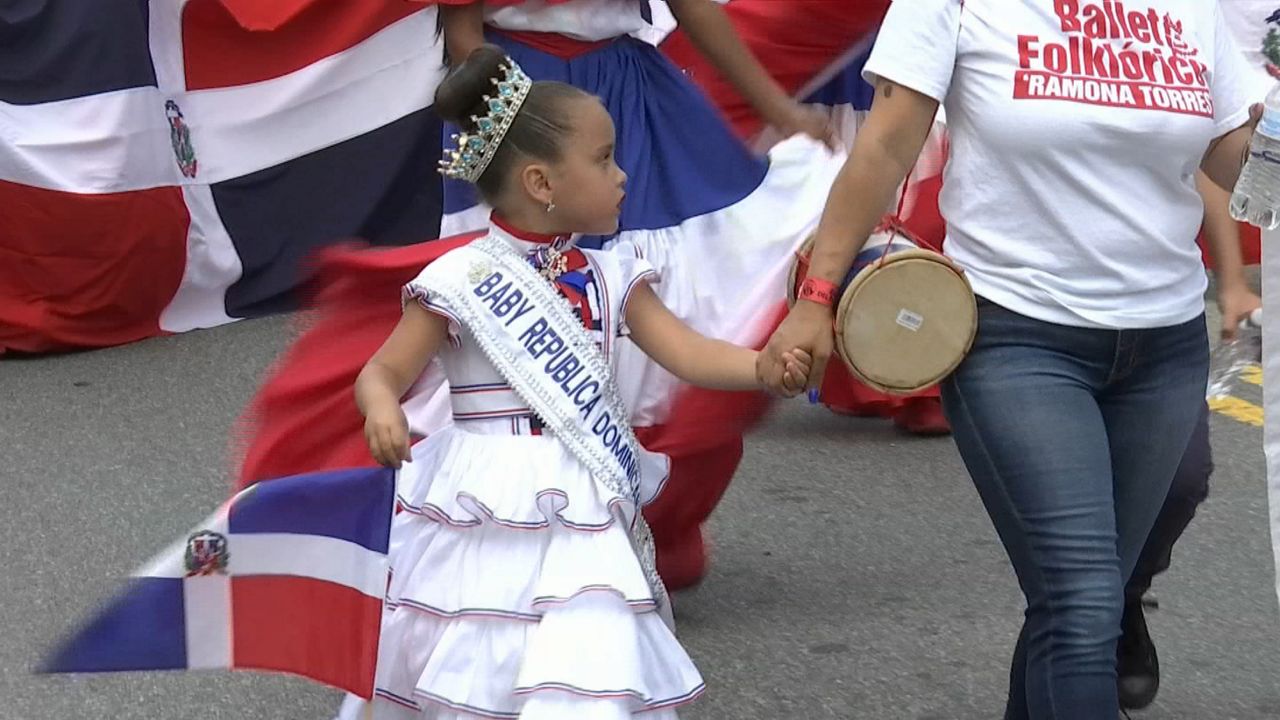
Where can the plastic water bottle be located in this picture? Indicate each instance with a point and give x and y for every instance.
(1229, 361)
(1256, 199)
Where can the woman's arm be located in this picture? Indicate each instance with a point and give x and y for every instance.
(388, 376)
(693, 357)
(884, 151)
(1222, 236)
(711, 31)
(1226, 154)
(886, 148)
(463, 27)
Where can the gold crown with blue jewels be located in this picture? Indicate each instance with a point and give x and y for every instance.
(476, 149)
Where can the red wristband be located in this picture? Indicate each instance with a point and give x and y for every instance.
(819, 291)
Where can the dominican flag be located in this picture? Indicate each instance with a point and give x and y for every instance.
(288, 576)
(167, 165)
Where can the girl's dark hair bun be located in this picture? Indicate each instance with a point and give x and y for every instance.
(461, 94)
(537, 131)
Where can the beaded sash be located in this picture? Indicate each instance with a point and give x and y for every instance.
(529, 333)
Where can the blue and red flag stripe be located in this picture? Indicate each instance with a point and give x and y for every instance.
(291, 578)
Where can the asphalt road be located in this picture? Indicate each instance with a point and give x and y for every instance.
(855, 576)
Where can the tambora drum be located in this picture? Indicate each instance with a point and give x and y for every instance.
(906, 316)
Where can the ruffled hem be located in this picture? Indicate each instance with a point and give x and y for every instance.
(592, 657)
(552, 506)
(514, 524)
(496, 572)
(545, 707)
(528, 482)
(516, 592)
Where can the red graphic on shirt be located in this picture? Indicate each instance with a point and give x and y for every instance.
(1114, 56)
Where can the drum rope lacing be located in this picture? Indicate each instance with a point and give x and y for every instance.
(893, 224)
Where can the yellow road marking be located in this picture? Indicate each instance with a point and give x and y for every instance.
(1237, 409)
(1252, 375)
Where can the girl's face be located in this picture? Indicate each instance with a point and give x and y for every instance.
(587, 184)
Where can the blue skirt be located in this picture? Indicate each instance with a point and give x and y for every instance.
(681, 158)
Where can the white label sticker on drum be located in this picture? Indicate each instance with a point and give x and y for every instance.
(909, 320)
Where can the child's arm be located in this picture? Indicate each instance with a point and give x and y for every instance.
(388, 376)
(695, 358)
(463, 27)
(711, 31)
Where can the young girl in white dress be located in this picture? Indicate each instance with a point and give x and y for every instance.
(522, 574)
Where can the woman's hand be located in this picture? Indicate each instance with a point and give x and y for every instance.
(713, 34)
(1236, 302)
(463, 27)
(806, 331)
(387, 431)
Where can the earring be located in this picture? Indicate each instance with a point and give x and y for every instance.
(551, 206)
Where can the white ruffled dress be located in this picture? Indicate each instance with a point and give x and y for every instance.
(515, 590)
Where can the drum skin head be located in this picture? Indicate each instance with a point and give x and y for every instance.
(904, 324)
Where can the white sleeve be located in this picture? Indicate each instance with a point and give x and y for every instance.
(916, 46)
(635, 272)
(632, 272)
(1235, 87)
(420, 290)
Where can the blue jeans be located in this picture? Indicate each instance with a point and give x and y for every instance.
(1190, 488)
(1072, 436)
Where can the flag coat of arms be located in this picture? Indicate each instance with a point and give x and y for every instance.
(168, 165)
(287, 576)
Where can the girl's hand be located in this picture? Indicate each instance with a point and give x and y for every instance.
(388, 376)
(387, 431)
(805, 334)
(795, 376)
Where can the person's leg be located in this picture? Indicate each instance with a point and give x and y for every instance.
(1151, 408)
(1031, 434)
(1161, 401)
(676, 517)
(922, 415)
(1190, 488)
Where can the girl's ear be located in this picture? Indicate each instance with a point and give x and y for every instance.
(535, 178)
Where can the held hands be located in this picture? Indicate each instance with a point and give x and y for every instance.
(387, 431)
(795, 375)
(803, 342)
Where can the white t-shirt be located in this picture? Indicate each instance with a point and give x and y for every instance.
(588, 20)
(1075, 137)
